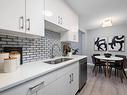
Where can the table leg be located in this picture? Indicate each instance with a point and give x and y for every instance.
(107, 73)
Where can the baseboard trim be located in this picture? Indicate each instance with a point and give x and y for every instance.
(91, 64)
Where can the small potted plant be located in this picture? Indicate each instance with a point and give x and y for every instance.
(69, 52)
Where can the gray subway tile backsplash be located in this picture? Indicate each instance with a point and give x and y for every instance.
(33, 49)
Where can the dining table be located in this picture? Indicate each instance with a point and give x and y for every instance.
(108, 61)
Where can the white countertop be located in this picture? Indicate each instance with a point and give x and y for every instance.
(30, 71)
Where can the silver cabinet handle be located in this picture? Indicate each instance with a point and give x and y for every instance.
(28, 24)
(61, 20)
(36, 88)
(58, 19)
(21, 22)
(72, 77)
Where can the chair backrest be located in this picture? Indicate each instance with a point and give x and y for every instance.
(97, 60)
(93, 59)
(96, 54)
(122, 56)
(123, 61)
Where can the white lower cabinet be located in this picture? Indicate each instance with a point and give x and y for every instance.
(34, 87)
(64, 81)
(69, 84)
(63, 85)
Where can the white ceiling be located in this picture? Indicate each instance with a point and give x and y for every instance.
(91, 12)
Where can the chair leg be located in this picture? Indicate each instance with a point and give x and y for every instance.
(94, 68)
(110, 71)
(104, 70)
(100, 69)
(124, 73)
(115, 72)
(121, 75)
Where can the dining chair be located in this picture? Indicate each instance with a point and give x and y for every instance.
(98, 61)
(96, 54)
(98, 66)
(95, 60)
(119, 67)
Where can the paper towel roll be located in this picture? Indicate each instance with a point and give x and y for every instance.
(10, 65)
(1, 65)
(17, 56)
(2, 57)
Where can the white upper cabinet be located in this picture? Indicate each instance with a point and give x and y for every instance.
(59, 14)
(51, 11)
(22, 16)
(35, 17)
(12, 15)
(55, 11)
(72, 22)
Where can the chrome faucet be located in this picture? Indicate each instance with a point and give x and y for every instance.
(52, 53)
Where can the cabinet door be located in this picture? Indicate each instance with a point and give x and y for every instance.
(67, 16)
(35, 17)
(62, 11)
(71, 21)
(73, 33)
(51, 11)
(70, 36)
(64, 85)
(75, 80)
(68, 84)
(55, 11)
(12, 15)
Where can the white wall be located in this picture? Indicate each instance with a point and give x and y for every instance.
(104, 32)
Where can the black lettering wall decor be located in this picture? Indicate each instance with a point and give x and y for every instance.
(116, 43)
(100, 44)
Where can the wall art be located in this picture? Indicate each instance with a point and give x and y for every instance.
(100, 44)
(116, 43)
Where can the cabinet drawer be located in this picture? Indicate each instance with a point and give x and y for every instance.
(46, 79)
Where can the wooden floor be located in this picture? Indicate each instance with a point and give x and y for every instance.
(100, 85)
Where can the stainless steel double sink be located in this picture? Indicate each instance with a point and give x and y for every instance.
(57, 61)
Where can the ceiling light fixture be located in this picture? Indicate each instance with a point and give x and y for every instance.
(107, 22)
